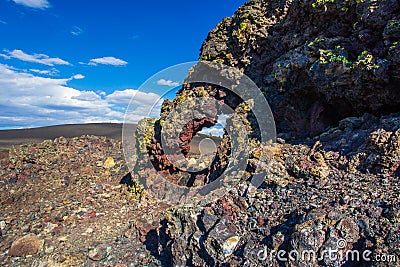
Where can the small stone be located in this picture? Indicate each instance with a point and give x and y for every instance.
(27, 245)
(49, 250)
(208, 220)
(50, 227)
(88, 231)
(229, 245)
(2, 225)
(97, 253)
(280, 140)
(222, 239)
(63, 238)
(141, 256)
(260, 221)
(25, 228)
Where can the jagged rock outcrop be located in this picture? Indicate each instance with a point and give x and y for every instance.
(316, 61)
(320, 197)
(330, 71)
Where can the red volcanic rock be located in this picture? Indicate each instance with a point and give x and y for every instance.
(190, 130)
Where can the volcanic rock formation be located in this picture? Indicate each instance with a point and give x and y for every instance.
(330, 72)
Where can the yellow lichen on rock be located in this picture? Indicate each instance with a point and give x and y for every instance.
(109, 163)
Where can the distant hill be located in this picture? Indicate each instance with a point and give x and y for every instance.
(9, 138)
(34, 135)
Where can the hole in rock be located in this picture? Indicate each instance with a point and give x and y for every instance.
(218, 129)
(202, 143)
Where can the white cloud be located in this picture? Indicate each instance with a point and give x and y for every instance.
(35, 58)
(87, 96)
(137, 97)
(76, 31)
(3, 22)
(141, 104)
(40, 4)
(167, 83)
(27, 100)
(121, 97)
(217, 129)
(107, 61)
(78, 77)
(5, 56)
(214, 131)
(50, 72)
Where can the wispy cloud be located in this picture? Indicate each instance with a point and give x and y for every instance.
(51, 72)
(3, 22)
(27, 100)
(39, 4)
(35, 58)
(167, 83)
(76, 31)
(107, 61)
(5, 56)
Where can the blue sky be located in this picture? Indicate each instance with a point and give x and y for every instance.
(81, 61)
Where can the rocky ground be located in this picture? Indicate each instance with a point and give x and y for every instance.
(343, 187)
(69, 201)
(330, 71)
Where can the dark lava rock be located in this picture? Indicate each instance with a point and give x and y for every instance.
(317, 62)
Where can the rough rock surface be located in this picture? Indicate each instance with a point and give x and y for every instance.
(316, 61)
(67, 195)
(329, 69)
(318, 196)
(27, 245)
